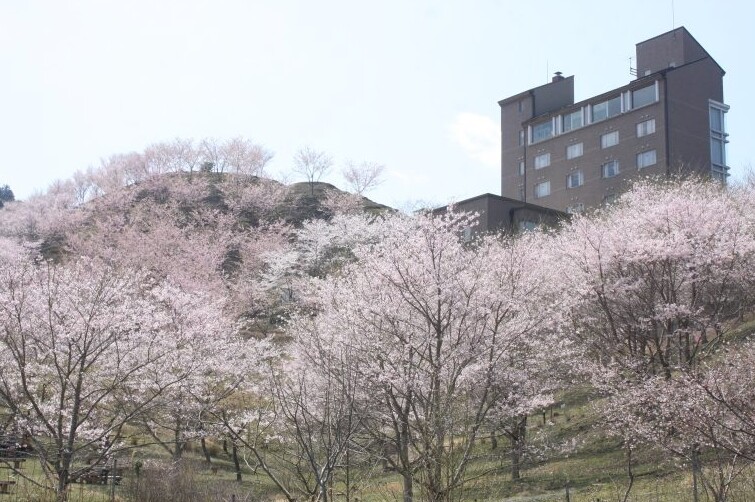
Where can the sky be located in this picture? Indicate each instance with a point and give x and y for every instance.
(410, 84)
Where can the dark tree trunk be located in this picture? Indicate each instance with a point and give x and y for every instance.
(236, 463)
(408, 488)
(204, 450)
(519, 431)
(180, 444)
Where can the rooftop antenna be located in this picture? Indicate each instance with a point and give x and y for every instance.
(547, 71)
(673, 21)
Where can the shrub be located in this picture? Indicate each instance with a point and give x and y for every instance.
(180, 482)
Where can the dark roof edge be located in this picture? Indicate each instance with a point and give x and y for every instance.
(522, 204)
(520, 95)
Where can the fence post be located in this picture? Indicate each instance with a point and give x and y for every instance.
(568, 497)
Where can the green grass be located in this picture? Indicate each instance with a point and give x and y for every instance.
(593, 468)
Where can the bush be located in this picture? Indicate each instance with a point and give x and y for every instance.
(180, 482)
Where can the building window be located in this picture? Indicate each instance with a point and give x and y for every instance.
(644, 96)
(575, 208)
(527, 225)
(574, 179)
(606, 109)
(466, 234)
(543, 160)
(572, 121)
(645, 128)
(542, 189)
(646, 159)
(610, 198)
(718, 118)
(610, 169)
(542, 131)
(718, 140)
(521, 168)
(520, 103)
(574, 151)
(521, 138)
(609, 139)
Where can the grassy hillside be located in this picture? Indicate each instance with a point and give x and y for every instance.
(222, 234)
(571, 458)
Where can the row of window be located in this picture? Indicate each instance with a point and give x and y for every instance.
(579, 207)
(591, 113)
(577, 150)
(608, 170)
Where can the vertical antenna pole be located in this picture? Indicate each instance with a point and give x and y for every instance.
(673, 21)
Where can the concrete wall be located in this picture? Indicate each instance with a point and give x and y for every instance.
(688, 115)
(681, 139)
(674, 48)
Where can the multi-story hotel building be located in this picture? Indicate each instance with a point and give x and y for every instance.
(571, 156)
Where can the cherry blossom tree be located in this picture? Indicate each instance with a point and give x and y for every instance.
(728, 388)
(430, 325)
(78, 355)
(204, 361)
(42, 220)
(363, 176)
(179, 155)
(236, 155)
(680, 417)
(653, 285)
(654, 279)
(312, 164)
(297, 421)
(705, 417)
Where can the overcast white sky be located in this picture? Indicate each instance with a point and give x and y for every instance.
(410, 84)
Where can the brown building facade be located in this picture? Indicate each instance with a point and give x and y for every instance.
(498, 214)
(572, 156)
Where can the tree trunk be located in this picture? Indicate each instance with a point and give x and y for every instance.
(180, 443)
(517, 446)
(515, 457)
(403, 452)
(61, 490)
(63, 471)
(408, 488)
(695, 472)
(348, 475)
(236, 463)
(204, 450)
(630, 474)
